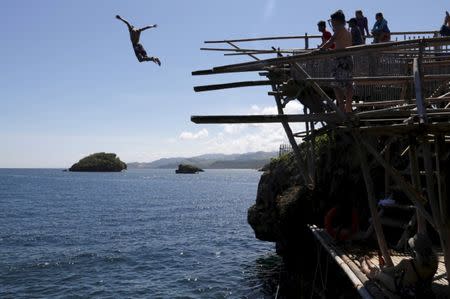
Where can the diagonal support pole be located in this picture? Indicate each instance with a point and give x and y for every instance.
(372, 202)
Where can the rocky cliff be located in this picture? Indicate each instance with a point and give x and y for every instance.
(284, 205)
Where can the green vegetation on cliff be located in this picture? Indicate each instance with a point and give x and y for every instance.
(99, 162)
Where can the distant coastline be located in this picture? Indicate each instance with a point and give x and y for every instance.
(254, 160)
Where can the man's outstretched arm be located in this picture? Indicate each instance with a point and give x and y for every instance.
(148, 27)
(125, 21)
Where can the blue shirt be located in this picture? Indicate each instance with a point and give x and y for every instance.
(380, 26)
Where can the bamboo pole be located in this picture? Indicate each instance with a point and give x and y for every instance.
(304, 37)
(442, 188)
(401, 129)
(303, 170)
(415, 178)
(232, 85)
(387, 179)
(337, 258)
(388, 80)
(237, 48)
(309, 148)
(372, 201)
(428, 101)
(244, 50)
(413, 194)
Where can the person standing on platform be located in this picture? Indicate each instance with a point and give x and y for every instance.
(363, 24)
(342, 70)
(357, 38)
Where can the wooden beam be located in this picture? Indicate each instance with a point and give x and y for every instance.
(260, 39)
(372, 201)
(237, 48)
(235, 119)
(402, 129)
(309, 181)
(415, 178)
(232, 85)
(414, 195)
(383, 79)
(428, 101)
(368, 80)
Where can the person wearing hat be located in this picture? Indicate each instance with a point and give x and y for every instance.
(342, 70)
(411, 277)
(357, 38)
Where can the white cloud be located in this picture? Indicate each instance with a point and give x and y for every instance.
(241, 138)
(203, 133)
(234, 128)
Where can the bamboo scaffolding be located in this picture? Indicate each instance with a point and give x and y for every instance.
(400, 115)
(354, 50)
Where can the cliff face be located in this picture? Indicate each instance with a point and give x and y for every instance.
(284, 205)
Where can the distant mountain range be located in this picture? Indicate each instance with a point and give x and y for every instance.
(254, 160)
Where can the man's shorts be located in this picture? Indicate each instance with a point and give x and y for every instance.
(343, 72)
(139, 51)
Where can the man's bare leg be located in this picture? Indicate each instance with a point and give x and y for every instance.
(340, 98)
(349, 99)
(154, 59)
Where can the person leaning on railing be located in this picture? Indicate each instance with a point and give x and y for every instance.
(380, 30)
(445, 29)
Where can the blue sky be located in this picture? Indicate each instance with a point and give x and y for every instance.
(70, 84)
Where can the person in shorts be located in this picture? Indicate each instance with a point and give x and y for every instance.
(342, 69)
(135, 35)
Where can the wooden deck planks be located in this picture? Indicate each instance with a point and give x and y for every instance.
(353, 253)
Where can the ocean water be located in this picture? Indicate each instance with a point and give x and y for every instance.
(135, 234)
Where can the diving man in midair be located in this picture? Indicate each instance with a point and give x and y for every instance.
(135, 34)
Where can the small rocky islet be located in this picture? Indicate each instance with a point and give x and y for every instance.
(99, 162)
(186, 168)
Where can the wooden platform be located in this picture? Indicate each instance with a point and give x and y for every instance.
(347, 256)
